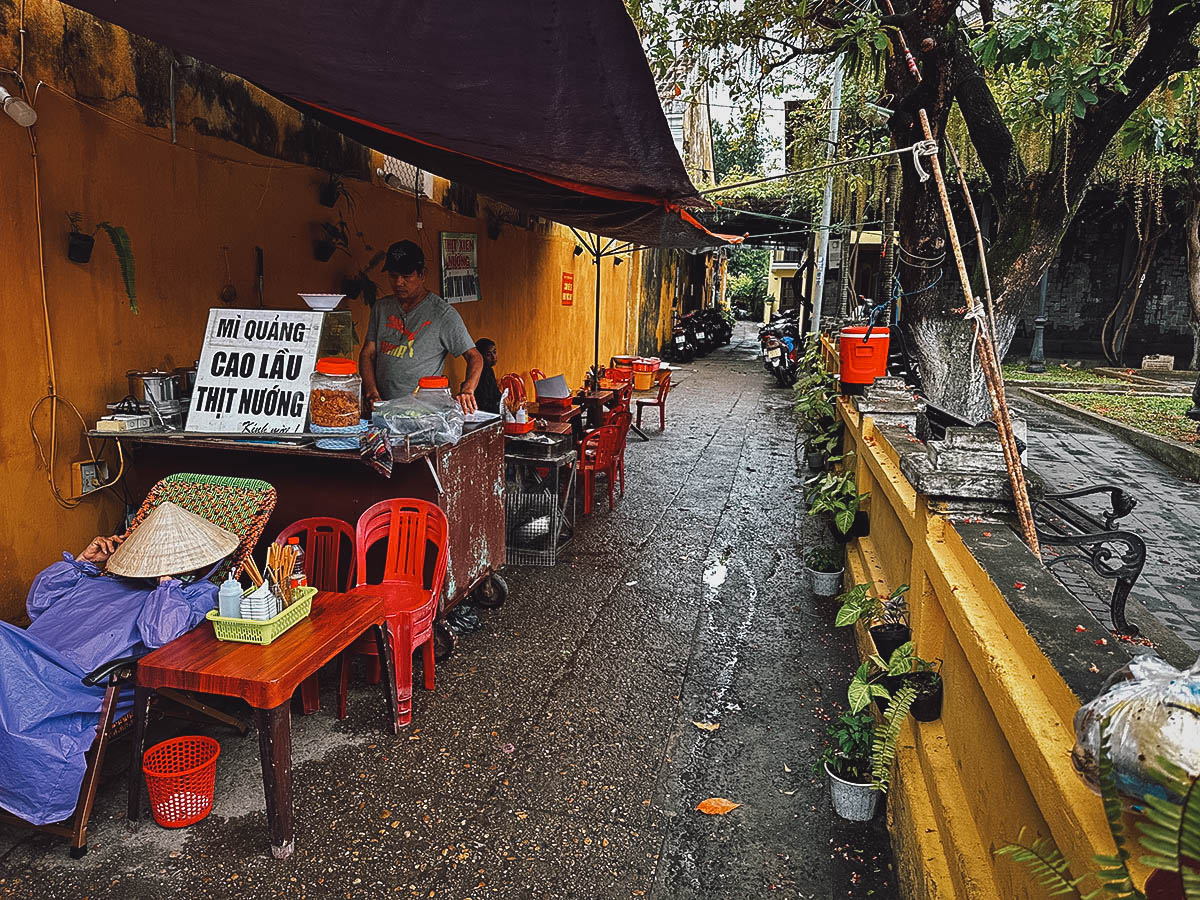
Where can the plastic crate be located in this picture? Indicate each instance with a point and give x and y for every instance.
(250, 631)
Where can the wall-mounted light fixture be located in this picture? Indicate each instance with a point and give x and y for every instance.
(617, 260)
(17, 109)
(578, 250)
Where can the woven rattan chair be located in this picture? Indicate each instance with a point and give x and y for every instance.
(240, 505)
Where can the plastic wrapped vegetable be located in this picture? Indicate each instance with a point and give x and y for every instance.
(1153, 711)
(423, 419)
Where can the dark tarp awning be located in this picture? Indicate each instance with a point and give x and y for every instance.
(548, 105)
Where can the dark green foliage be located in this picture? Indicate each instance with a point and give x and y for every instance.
(124, 249)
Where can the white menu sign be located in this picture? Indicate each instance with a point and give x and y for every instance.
(254, 371)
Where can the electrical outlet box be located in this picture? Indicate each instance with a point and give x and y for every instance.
(88, 475)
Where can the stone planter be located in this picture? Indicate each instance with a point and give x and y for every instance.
(852, 801)
(825, 584)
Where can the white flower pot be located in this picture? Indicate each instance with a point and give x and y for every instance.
(852, 801)
(825, 584)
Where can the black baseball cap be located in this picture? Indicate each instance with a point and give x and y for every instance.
(404, 257)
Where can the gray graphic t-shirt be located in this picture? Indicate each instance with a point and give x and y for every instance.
(413, 345)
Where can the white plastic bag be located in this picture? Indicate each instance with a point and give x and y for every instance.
(424, 420)
(1153, 711)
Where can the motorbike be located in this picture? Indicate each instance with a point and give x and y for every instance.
(780, 341)
(679, 347)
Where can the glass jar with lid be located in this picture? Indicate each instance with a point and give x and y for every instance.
(335, 398)
(435, 390)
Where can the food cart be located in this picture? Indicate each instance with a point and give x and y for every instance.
(465, 479)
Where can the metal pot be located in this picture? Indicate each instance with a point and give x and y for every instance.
(153, 387)
(187, 379)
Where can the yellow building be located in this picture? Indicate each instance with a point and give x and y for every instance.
(201, 186)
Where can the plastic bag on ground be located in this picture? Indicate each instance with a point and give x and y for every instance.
(1152, 710)
(424, 420)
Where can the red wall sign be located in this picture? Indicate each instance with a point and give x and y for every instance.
(568, 288)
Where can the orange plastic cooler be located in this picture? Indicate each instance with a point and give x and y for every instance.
(862, 361)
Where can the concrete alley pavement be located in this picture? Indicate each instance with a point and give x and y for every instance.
(558, 757)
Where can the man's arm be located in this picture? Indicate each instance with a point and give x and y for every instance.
(366, 369)
(466, 394)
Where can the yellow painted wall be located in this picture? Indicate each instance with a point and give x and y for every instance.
(181, 205)
(998, 759)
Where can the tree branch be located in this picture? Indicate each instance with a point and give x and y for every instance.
(1168, 49)
(994, 143)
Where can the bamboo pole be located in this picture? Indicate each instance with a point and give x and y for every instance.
(991, 365)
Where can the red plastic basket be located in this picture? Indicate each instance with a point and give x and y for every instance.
(181, 777)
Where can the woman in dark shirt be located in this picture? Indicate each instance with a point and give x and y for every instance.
(487, 393)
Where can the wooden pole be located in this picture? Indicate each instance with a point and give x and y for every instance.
(991, 365)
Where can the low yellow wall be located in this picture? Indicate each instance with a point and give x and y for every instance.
(998, 758)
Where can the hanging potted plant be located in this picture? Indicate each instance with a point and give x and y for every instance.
(332, 190)
(886, 618)
(80, 244)
(824, 566)
(362, 283)
(926, 679)
(835, 493)
(336, 237)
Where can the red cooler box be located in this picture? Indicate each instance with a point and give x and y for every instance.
(863, 358)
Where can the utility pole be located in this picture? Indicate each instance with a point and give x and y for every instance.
(835, 115)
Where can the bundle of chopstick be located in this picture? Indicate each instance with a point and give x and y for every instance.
(251, 568)
(281, 560)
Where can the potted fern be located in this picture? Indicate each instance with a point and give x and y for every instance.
(886, 617)
(80, 244)
(858, 762)
(824, 567)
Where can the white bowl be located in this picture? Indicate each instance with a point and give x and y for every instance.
(323, 302)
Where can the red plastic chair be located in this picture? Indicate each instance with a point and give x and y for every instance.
(322, 540)
(624, 395)
(664, 388)
(598, 455)
(411, 528)
(621, 419)
(516, 387)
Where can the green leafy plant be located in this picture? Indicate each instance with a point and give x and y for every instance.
(119, 238)
(1170, 835)
(835, 493)
(825, 559)
(865, 686)
(848, 753)
(861, 603)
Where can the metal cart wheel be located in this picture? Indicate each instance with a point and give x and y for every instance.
(492, 593)
(444, 641)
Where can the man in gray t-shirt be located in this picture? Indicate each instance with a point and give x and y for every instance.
(411, 333)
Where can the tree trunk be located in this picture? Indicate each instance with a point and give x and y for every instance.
(1192, 232)
(949, 364)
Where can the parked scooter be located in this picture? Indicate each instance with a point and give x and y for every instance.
(679, 347)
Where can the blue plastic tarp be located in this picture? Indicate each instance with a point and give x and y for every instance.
(48, 717)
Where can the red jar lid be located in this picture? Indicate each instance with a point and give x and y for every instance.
(336, 365)
(434, 381)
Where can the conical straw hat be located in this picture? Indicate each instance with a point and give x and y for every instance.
(171, 541)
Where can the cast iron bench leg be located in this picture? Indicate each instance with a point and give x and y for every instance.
(1120, 595)
(141, 709)
(275, 747)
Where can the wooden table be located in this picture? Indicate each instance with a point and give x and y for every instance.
(265, 677)
(594, 402)
(554, 428)
(555, 413)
